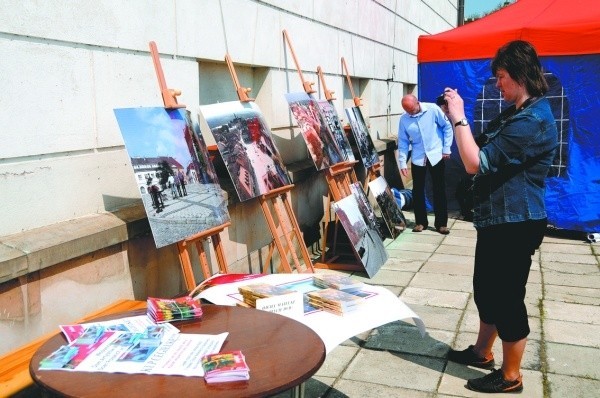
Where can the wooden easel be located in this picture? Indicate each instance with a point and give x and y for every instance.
(373, 171)
(170, 102)
(277, 202)
(339, 177)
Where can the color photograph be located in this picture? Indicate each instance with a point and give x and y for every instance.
(366, 148)
(320, 141)
(391, 213)
(176, 179)
(247, 147)
(365, 240)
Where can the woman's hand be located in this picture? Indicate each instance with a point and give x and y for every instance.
(455, 107)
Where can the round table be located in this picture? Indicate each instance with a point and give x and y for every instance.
(281, 354)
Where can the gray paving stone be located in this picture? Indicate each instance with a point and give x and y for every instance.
(465, 269)
(349, 388)
(407, 371)
(416, 247)
(399, 264)
(405, 338)
(574, 295)
(408, 255)
(569, 258)
(337, 361)
(451, 240)
(437, 317)
(437, 298)
(550, 247)
(570, 268)
(572, 360)
(572, 312)
(572, 387)
(452, 259)
(563, 332)
(387, 277)
(458, 283)
(459, 250)
(563, 279)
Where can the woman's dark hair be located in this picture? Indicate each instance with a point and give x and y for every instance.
(521, 62)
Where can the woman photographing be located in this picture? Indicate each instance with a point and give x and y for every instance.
(510, 162)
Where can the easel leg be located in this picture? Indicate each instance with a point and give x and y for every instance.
(186, 265)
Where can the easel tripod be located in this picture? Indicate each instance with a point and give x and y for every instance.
(169, 97)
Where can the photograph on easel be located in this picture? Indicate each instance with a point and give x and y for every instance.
(178, 183)
(246, 145)
(320, 141)
(333, 122)
(367, 209)
(363, 139)
(390, 211)
(365, 240)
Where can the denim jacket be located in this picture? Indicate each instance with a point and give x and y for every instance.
(509, 185)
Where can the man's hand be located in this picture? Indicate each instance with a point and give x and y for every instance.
(445, 156)
(404, 172)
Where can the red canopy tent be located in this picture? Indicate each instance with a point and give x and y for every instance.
(557, 27)
(566, 35)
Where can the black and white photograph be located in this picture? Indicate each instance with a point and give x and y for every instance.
(365, 240)
(363, 139)
(247, 147)
(320, 141)
(175, 177)
(335, 127)
(366, 209)
(390, 211)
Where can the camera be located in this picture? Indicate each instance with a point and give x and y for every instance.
(440, 100)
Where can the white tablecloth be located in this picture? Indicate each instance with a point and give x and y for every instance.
(379, 308)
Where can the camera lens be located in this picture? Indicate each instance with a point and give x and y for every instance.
(441, 100)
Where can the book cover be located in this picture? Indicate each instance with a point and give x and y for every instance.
(337, 281)
(335, 298)
(225, 366)
(262, 290)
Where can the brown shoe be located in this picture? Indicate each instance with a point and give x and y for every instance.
(418, 228)
(443, 230)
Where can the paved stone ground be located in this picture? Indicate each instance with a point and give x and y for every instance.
(432, 274)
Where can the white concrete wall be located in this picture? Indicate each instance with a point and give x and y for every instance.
(65, 65)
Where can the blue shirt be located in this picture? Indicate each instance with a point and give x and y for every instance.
(510, 183)
(428, 132)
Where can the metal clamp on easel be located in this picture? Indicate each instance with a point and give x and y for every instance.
(170, 102)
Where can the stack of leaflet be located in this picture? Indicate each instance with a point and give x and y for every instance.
(255, 291)
(178, 309)
(333, 300)
(225, 366)
(337, 281)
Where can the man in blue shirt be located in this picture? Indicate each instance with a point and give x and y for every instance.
(425, 129)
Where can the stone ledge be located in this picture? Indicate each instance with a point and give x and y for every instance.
(30, 251)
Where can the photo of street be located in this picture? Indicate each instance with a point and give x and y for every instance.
(365, 240)
(320, 141)
(333, 122)
(177, 181)
(391, 213)
(366, 148)
(246, 145)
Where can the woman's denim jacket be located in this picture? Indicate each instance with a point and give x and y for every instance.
(513, 164)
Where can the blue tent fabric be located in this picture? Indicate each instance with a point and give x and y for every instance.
(573, 196)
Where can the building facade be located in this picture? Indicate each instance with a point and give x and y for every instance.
(71, 221)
